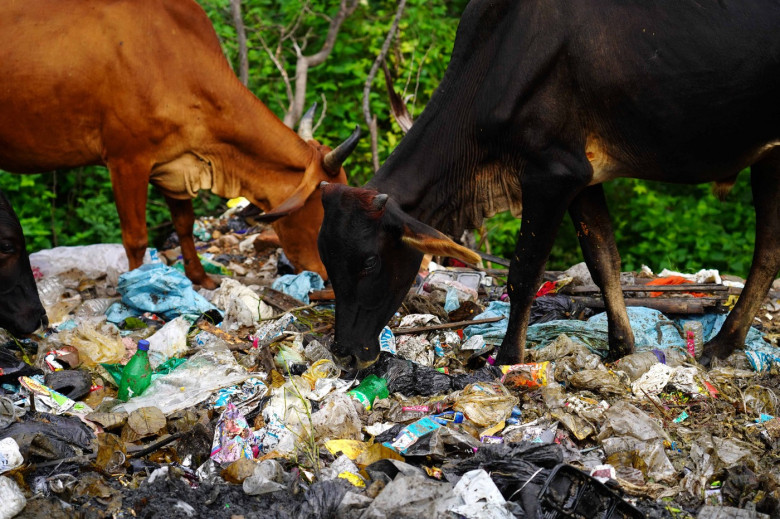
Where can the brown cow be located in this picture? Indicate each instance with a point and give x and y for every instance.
(143, 88)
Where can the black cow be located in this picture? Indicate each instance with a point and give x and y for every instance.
(20, 308)
(541, 103)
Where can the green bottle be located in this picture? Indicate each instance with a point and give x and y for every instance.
(370, 389)
(137, 374)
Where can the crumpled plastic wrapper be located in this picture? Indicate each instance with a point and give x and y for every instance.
(233, 438)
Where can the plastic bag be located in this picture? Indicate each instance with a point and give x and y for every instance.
(96, 340)
(158, 289)
(409, 496)
(10, 457)
(299, 285)
(556, 308)
(11, 497)
(242, 306)
(485, 403)
(168, 341)
(479, 497)
(49, 436)
(415, 348)
(94, 260)
(599, 380)
(337, 418)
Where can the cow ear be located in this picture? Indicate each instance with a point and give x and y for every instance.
(295, 201)
(428, 240)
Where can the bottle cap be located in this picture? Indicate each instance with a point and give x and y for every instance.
(143, 345)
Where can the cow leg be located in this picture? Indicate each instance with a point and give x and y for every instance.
(765, 181)
(130, 196)
(183, 221)
(546, 196)
(592, 223)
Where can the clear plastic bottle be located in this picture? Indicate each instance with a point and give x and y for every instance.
(137, 374)
(315, 351)
(694, 338)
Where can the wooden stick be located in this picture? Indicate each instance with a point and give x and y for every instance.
(656, 288)
(445, 326)
(672, 306)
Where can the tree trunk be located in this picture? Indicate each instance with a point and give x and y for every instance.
(238, 22)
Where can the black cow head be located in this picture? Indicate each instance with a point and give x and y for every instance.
(372, 251)
(20, 308)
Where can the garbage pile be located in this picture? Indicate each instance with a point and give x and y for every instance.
(147, 398)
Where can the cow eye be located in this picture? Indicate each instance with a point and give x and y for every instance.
(6, 247)
(370, 265)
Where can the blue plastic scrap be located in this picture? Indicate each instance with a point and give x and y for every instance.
(451, 302)
(159, 289)
(299, 285)
(652, 330)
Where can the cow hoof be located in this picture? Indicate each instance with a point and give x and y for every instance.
(207, 283)
(615, 354)
(714, 350)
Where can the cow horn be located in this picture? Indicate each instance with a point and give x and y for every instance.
(379, 201)
(332, 161)
(397, 105)
(305, 126)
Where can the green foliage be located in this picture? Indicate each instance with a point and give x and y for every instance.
(681, 227)
(76, 207)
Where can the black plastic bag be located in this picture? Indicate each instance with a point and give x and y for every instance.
(49, 436)
(322, 499)
(557, 307)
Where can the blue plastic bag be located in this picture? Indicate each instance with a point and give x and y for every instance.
(159, 289)
(299, 285)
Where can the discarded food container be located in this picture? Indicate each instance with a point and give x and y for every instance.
(369, 390)
(137, 374)
(694, 338)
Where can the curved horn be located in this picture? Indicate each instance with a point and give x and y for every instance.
(332, 161)
(304, 127)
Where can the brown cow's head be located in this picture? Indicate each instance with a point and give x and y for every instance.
(20, 308)
(372, 251)
(303, 206)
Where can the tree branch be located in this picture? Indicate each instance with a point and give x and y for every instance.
(371, 121)
(238, 22)
(346, 8)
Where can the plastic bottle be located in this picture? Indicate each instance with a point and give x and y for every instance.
(694, 338)
(369, 390)
(137, 374)
(315, 351)
(637, 364)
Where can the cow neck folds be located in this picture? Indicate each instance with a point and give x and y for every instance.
(264, 172)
